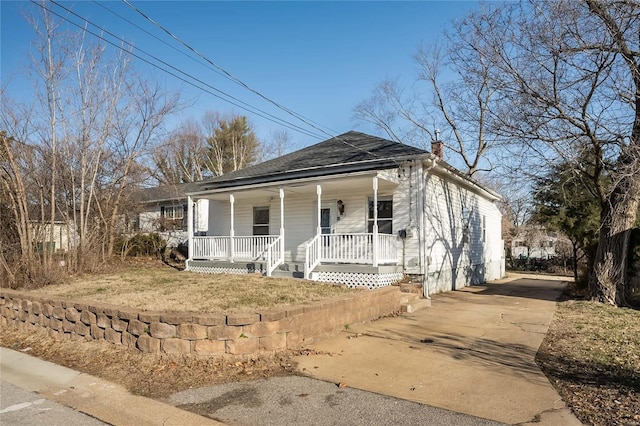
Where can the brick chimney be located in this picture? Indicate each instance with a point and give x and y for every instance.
(437, 146)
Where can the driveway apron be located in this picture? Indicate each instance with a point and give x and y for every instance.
(472, 352)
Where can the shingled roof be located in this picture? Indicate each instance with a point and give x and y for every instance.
(347, 152)
(165, 193)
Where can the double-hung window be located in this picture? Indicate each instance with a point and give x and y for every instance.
(174, 217)
(261, 221)
(385, 215)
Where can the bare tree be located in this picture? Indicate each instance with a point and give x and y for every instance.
(182, 157)
(567, 76)
(73, 158)
(277, 144)
(459, 105)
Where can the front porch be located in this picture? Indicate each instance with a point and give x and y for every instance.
(330, 252)
(327, 256)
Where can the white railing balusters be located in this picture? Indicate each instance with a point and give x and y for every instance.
(275, 255)
(331, 248)
(312, 255)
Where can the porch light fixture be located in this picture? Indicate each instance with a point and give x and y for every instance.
(340, 207)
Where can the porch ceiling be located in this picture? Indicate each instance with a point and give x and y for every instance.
(330, 185)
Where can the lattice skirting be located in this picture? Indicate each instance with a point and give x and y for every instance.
(355, 279)
(218, 270)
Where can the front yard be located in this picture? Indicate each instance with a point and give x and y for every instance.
(591, 354)
(158, 287)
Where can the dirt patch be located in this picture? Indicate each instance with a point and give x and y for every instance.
(591, 354)
(157, 287)
(150, 375)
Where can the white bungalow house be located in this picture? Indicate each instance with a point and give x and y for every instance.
(354, 209)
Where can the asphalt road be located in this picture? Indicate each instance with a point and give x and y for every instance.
(21, 407)
(296, 400)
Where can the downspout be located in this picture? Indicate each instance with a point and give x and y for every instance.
(422, 235)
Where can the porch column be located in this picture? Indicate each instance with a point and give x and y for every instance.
(189, 229)
(375, 221)
(319, 193)
(231, 230)
(282, 215)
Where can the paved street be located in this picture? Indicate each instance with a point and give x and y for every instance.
(304, 401)
(21, 407)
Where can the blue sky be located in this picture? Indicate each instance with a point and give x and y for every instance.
(317, 58)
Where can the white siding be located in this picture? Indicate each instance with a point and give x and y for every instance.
(299, 223)
(455, 252)
(219, 218)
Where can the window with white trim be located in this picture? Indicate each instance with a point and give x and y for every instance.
(173, 218)
(173, 212)
(385, 215)
(261, 220)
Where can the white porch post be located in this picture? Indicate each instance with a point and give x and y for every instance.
(232, 200)
(282, 215)
(375, 221)
(319, 193)
(189, 229)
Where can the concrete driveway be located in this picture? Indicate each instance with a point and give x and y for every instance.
(472, 352)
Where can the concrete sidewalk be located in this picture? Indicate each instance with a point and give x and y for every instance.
(108, 402)
(472, 352)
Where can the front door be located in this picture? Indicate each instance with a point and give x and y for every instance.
(325, 220)
(328, 217)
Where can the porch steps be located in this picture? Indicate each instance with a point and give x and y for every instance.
(411, 288)
(416, 305)
(412, 302)
(289, 270)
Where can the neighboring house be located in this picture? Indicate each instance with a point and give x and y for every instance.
(64, 231)
(64, 235)
(163, 210)
(534, 244)
(354, 209)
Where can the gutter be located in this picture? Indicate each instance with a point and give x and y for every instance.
(283, 184)
(308, 172)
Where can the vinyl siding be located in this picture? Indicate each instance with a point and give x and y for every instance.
(455, 252)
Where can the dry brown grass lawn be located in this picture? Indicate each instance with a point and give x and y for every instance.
(591, 354)
(161, 288)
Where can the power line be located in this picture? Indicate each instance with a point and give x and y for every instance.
(229, 75)
(305, 120)
(128, 21)
(248, 107)
(238, 103)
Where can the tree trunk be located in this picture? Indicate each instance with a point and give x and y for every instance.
(607, 282)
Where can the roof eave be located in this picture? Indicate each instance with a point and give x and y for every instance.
(311, 172)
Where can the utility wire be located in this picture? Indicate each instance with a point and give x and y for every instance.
(232, 77)
(239, 103)
(305, 120)
(133, 24)
(248, 107)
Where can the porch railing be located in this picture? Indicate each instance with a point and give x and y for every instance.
(312, 255)
(349, 248)
(331, 248)
(232, 248)
(274, 255)
(211, 247)
(358, 248)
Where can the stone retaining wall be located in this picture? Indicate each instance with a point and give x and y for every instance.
(205, 334)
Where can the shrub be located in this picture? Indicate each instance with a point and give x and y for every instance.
(144, 245)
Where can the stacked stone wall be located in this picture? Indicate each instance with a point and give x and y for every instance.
(195, 333)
